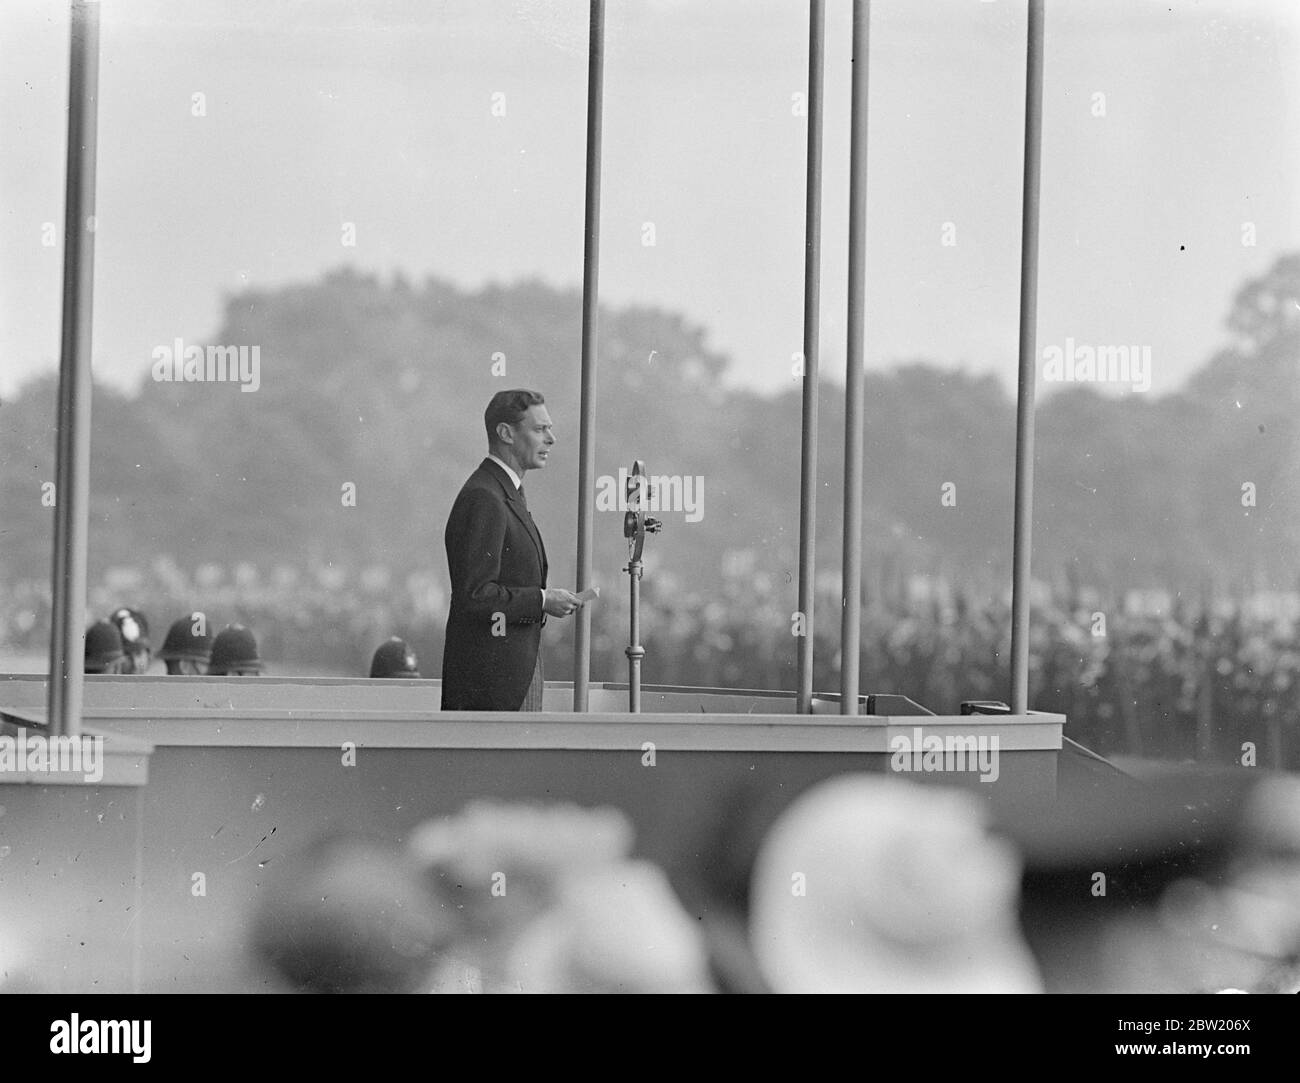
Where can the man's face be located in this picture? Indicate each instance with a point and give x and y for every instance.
(533, 438)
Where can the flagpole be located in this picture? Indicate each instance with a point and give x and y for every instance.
(851, 601)
(72, 440)
(1024, 491)
(811, 354)
(590, 314)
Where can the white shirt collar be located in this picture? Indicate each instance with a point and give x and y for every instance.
(512, 475)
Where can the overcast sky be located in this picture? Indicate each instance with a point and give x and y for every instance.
(380, 114)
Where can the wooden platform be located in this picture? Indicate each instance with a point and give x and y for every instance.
(223, 776)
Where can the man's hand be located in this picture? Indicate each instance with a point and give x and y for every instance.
(560, 603)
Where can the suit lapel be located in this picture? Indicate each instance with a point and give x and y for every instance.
(522, 515)
(520, 512)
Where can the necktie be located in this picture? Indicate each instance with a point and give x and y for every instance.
(522, 499)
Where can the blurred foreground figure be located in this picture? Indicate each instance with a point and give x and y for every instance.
(554, 904)
(188, 646)
(612, 929)
(104, 652)
(1186, 881)
(1232, 922)
(1259, 913)
(234, 653)
(347, 915)
(134, 629)
(394, 659)
(866, 885)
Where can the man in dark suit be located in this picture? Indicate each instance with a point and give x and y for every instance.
(499, 597)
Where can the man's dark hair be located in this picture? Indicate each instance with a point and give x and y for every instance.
(510, 407)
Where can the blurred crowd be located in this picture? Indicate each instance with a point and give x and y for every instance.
(862, 884)
(1193, 680)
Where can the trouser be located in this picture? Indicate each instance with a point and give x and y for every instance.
(533, 697)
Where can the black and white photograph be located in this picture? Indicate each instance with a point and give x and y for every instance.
(650, 496)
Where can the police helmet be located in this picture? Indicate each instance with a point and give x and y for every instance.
(184, 643)
(132, 625)
(134, 628)
(234, 651)
(103, 648)
(394, 659)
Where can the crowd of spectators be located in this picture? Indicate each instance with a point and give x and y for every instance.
(1194, 679)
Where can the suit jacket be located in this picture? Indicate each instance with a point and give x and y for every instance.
(498, 566)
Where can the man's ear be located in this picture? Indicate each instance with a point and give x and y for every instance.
(505, 434)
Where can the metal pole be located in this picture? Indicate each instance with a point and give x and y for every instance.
(635, 652)
(811, 352)
(851, 601)
(72, 455)
(1024, 500)
(590, 301)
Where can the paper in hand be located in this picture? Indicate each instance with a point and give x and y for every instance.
(589, 595)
